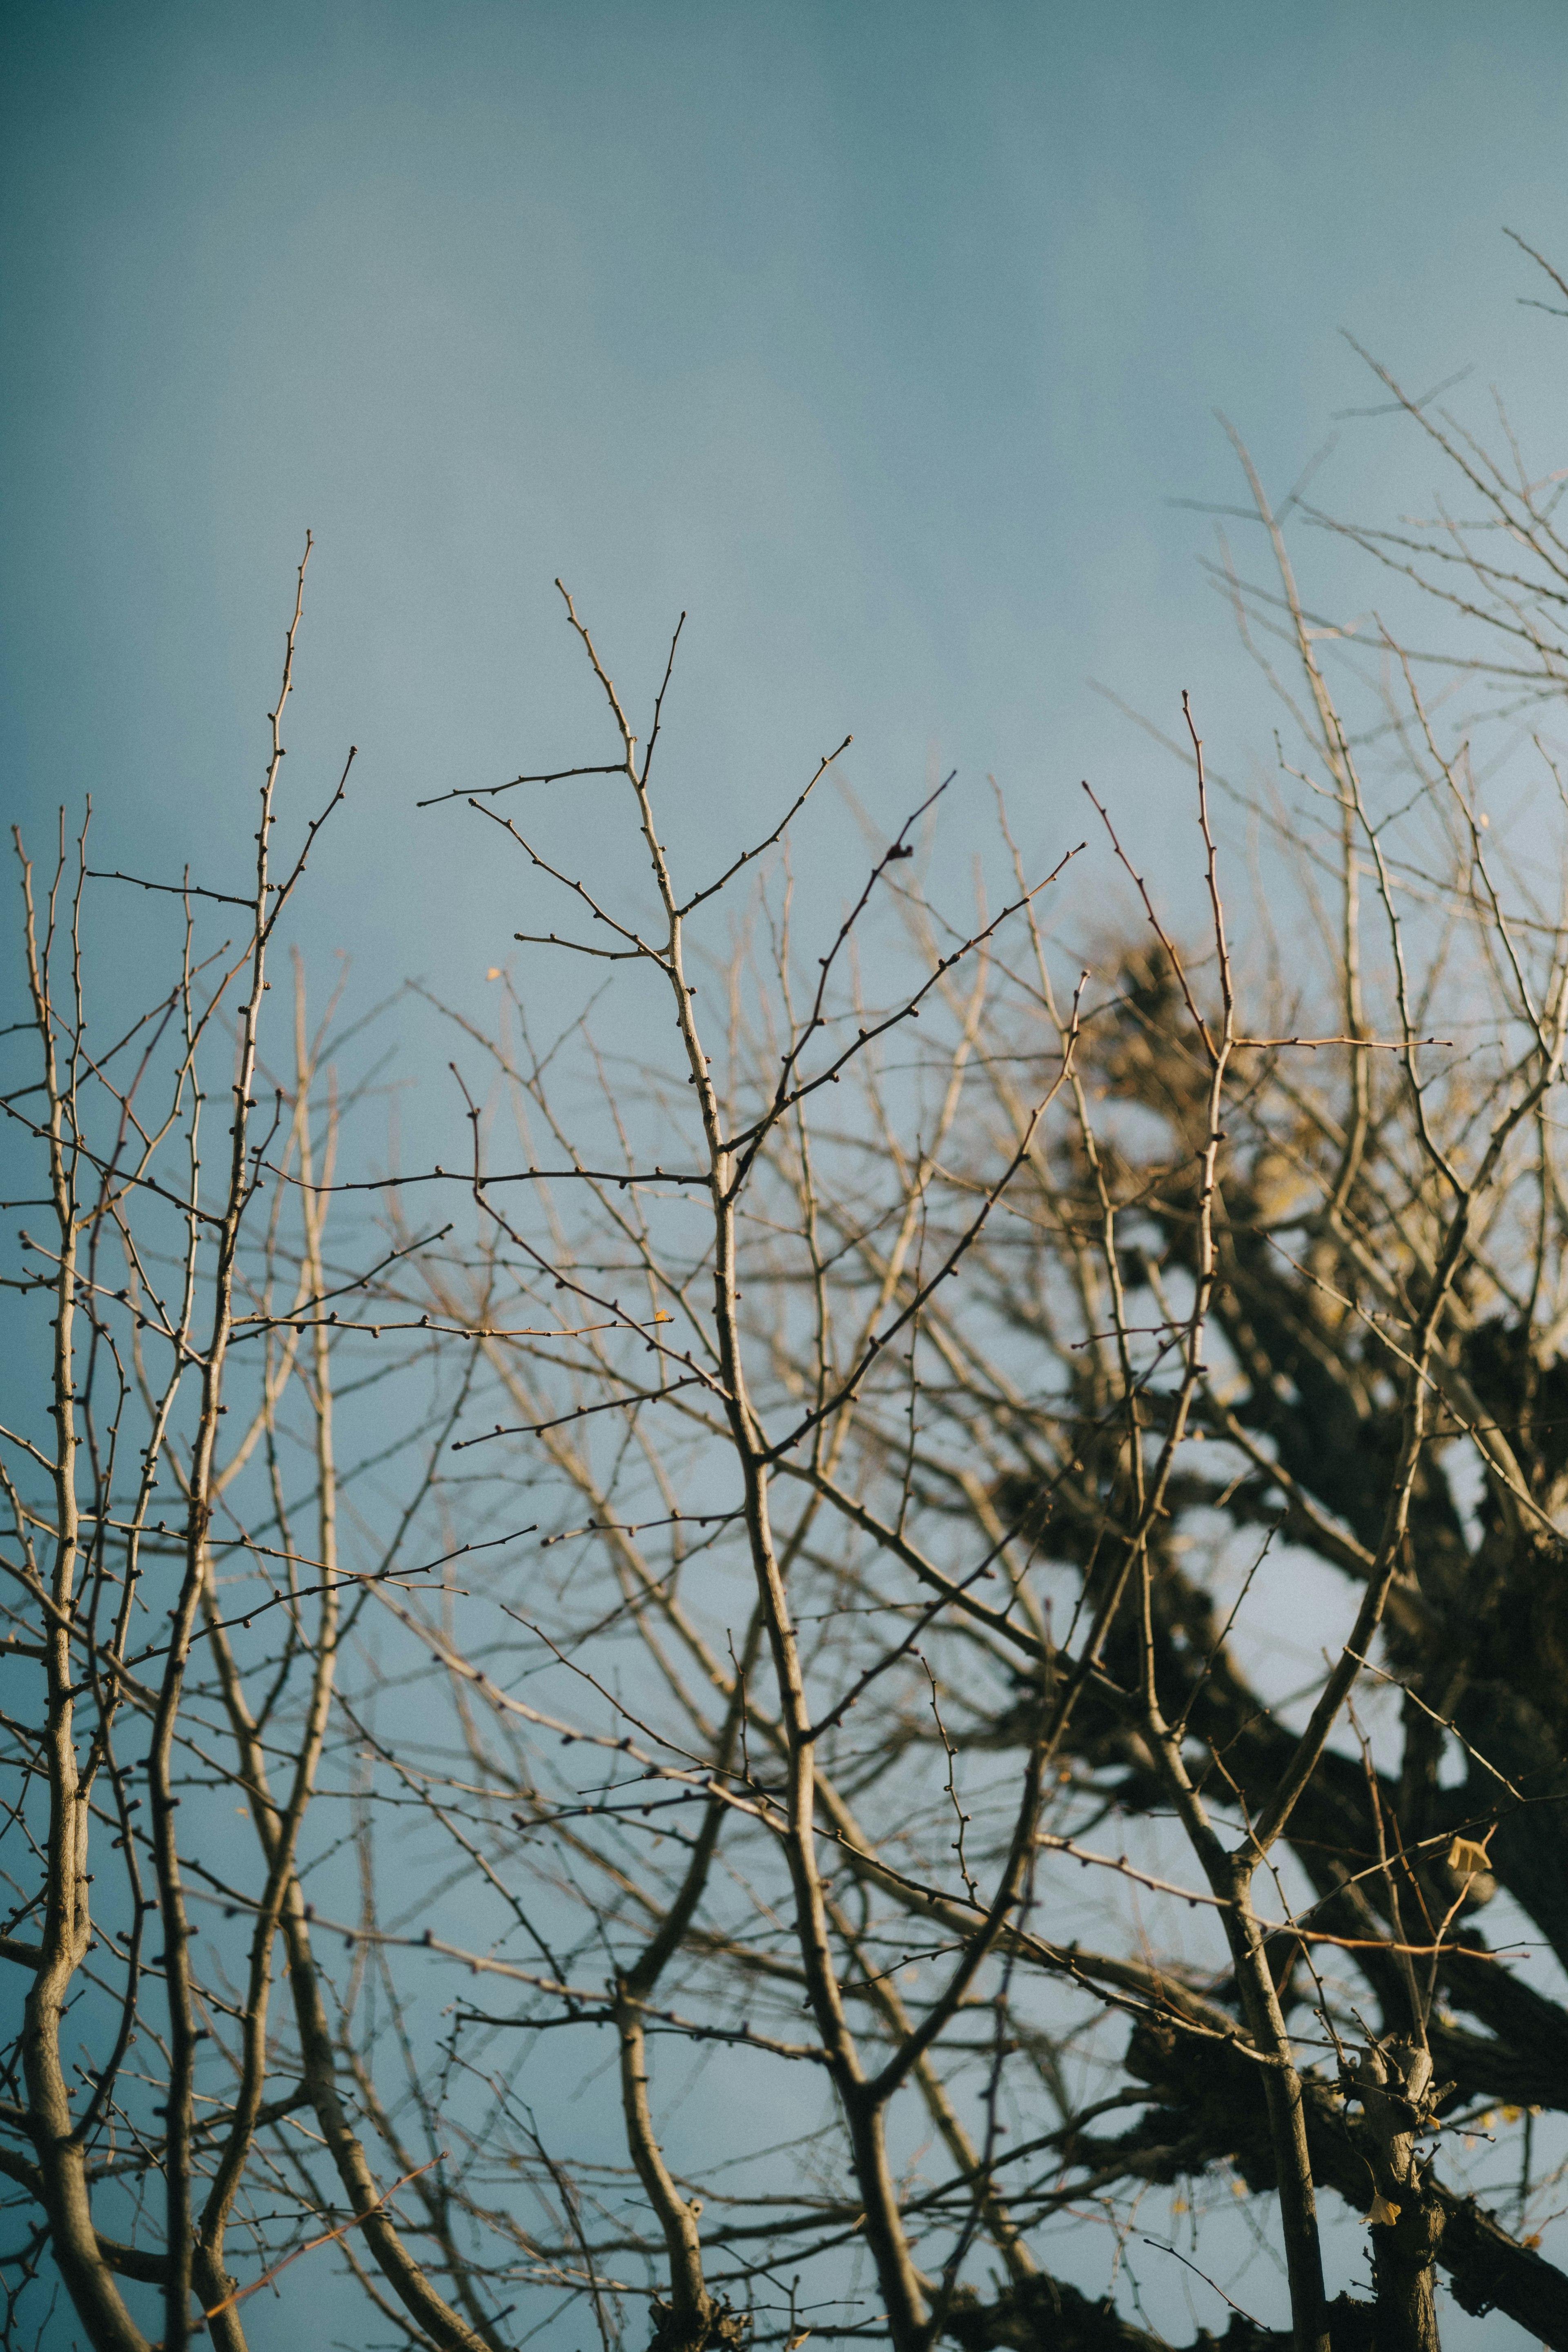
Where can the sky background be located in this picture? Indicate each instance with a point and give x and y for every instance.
(879, 338)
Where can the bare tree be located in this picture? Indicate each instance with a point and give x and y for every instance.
(886, 1829)
(173, 1664)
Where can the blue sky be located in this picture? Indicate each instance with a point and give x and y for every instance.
(878, 337)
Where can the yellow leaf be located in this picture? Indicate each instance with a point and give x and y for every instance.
(1466, 1857)
(1384, 2213)
(494, 972)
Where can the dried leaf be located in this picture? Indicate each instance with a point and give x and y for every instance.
(1385, 2212)
(1468, 1858)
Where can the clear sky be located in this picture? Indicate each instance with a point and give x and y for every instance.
(877, 336)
